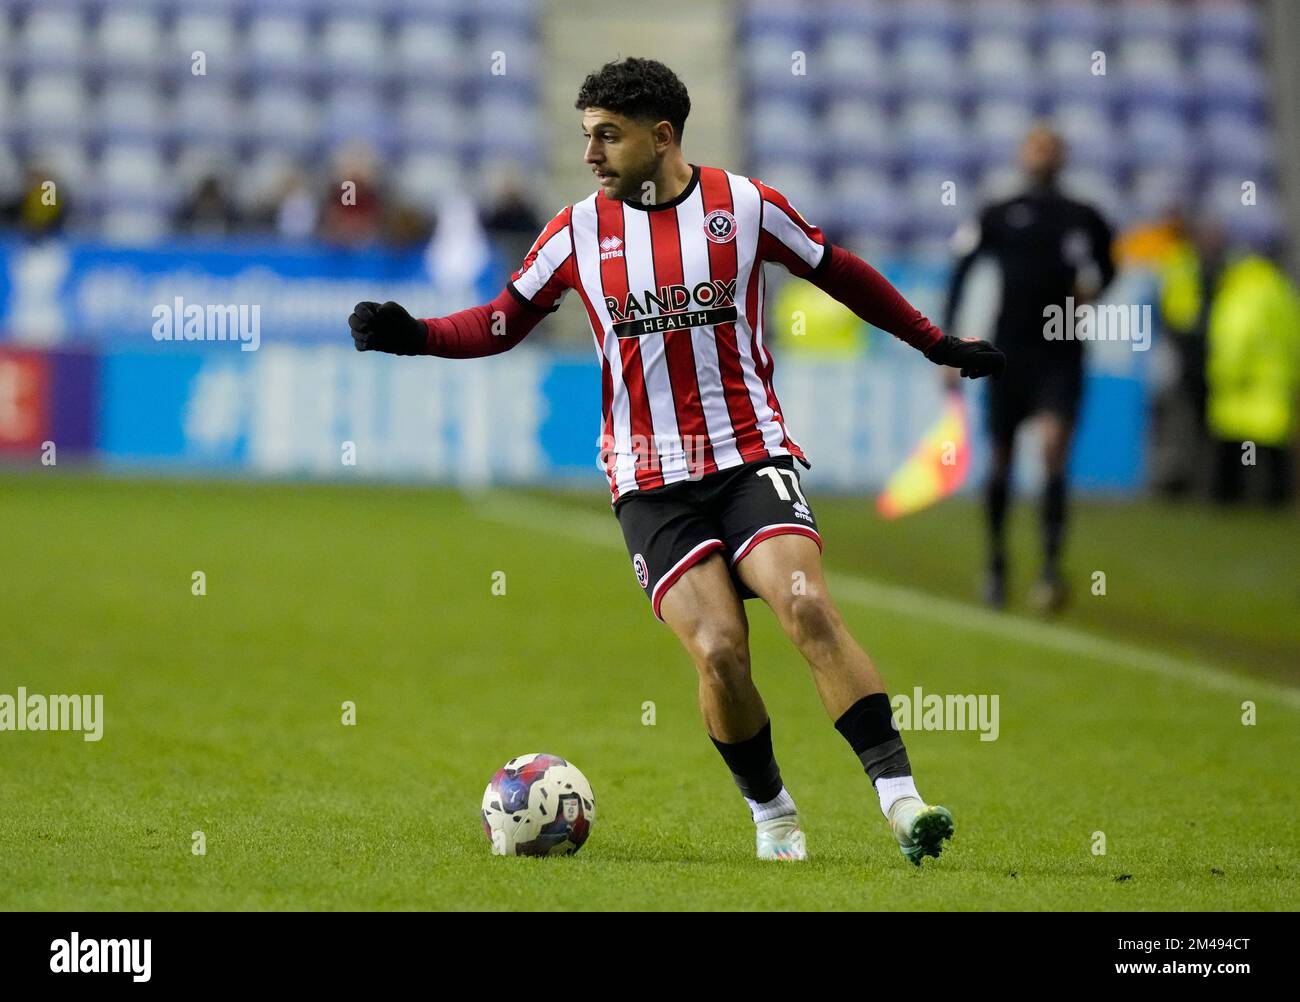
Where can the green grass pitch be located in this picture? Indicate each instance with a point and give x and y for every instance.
(223, 711)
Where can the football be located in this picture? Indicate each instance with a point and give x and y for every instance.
(538, 805)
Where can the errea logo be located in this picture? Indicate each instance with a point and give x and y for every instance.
(610, 247)
(102, 956)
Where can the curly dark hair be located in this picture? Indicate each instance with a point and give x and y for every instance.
(644, 89)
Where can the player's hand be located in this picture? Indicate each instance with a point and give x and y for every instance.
(387, 328)
(975, 358)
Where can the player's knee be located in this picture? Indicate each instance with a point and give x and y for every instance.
(722, 656)
(811, 618)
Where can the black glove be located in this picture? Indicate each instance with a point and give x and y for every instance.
(387, 328)
(974, 357)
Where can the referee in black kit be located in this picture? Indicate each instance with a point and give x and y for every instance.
(1049, 247)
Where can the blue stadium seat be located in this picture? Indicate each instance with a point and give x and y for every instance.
(280, 47)
(1158, 137)
(353, 110)
(780, 17)
(518, 14)
(1150, 19)
(783, 129)
(1237, 142)
(1154, 190)
(1086, 21)
(854, 65)
(1228, 78)
(851, 17)
(284, 116)
(132, 110)
(928, 67)
(129, 41)
(1232, 22)
(943, 19)
(1014, 18)
(52, 38)
(207, 110)
(769, 65)
(209, 32)
(449, 12)
(425, 178)
(863, 199)
(352, 47)
(1067, 73)
(1000, 65)
(858, 131)
(502, 62)
(931, 217)
(431, 122)
(933, 135)
(428, 52)
(1089, 134)
(999, 128)
(55, 105)
(136, 173)
(1150, 72)
(520, 142)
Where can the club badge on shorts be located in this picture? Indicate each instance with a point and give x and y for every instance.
(720, 226)
(642, 571)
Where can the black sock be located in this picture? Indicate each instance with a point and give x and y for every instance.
(996, 494)
(868, 727)
(753, 765)
(1053, 523)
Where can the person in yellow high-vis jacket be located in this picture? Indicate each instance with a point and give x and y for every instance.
(1253, 373)
(1189, 276)
(809, 323)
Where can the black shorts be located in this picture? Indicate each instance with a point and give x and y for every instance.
(1053, 387)
(670, 529)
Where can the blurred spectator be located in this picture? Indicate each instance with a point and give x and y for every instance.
(510, 221)
(209, 211)
(40, 208)
(1252, 373)
(409, 226)
(1189, 276)
(297, 209)
(359, 207)
(353, 209)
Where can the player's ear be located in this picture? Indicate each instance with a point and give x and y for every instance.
(664, 136)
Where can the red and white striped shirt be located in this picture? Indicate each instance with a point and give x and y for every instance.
(674, 293)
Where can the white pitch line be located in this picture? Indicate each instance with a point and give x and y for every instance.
(602, 530)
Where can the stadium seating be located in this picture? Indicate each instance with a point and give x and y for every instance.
(909, 92)
(271, 84)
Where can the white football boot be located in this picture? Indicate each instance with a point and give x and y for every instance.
(781, 838)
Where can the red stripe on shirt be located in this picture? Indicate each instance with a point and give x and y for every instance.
(715, 189)
(613, 281)
(666, 248)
